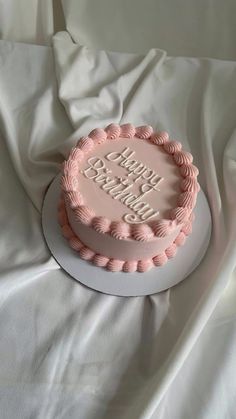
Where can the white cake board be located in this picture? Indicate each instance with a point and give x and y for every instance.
(156, 280)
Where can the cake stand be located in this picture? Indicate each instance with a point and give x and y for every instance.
(156, 280)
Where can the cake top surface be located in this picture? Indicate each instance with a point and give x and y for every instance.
(125, 176)
(129, 180)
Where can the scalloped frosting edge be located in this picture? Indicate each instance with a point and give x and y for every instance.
(122, 230)
(116, 265)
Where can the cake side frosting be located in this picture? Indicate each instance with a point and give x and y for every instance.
(117, 247)
(116, 265)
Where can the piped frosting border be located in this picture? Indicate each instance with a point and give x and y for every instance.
(120, 229)
(116, 265)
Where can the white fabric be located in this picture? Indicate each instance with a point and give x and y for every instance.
(198, 28)
(33, 21)
(67, 351)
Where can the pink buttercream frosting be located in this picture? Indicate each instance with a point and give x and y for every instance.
(101, 224)
(113, 131)
(76, 154)
(180, 214)
(183, 157)
(62, 218)
(187, 199)
(127, 131)
(187, 228)
(190, 184)
(74, 198)
(115, 265)
(69, 183)
(180, 239)
(189, 170)
(100, 260)
(86, 253)
(98, 135)
(70, 166)
(144, 131)
(142, 232)
(75, 243)
(160, 259)
(84, 214)
(144, 265)
(171, 251)
(172, 147)
(120, 230)
(67, 232)
(86, 144)
(160, 137)
(130, 266)
(161, 229)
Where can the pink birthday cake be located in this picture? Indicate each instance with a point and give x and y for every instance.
(127, 197)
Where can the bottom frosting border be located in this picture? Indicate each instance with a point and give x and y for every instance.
(115, 265)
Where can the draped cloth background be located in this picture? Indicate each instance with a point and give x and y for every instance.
(67, 351)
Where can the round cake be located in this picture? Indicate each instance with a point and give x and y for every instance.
(127, 198)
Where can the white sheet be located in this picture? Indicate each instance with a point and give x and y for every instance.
(27, 21)
(33, 21)
(67, 351)
(196, 28)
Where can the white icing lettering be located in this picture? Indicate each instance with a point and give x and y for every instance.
(114, 156)
(95, 165)
(134, 219)
(119, 188)
(134, 167)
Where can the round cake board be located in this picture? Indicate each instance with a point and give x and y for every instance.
(156, 280)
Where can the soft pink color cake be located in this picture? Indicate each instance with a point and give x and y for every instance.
(127, 197)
